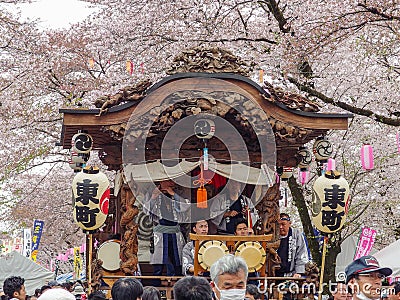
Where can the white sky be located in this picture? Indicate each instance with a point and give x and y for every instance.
(56, 14)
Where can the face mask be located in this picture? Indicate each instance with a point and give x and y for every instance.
(232, 294)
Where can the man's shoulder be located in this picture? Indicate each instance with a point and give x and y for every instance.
(188, 246)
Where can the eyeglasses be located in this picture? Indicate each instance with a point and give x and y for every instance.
(374, 275)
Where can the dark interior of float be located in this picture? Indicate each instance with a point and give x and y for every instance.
(212, 82)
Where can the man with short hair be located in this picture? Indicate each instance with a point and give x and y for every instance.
(127, 289)
(229, 277)
(200, 227)
(194, 288)
(14, 288)
(364, 277)
(241, 228)
(341, 292)
(56, 294)
(292, 249)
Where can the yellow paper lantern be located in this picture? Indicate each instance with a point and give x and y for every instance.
(329, 203)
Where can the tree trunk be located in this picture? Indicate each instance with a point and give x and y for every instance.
(300, 203)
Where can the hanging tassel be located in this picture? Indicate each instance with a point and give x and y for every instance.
(202, 197)
(129, 67)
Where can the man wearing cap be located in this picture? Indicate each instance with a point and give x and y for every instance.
(364, 277)
(292, 249)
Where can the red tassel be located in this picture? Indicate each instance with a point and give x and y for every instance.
(201, 197)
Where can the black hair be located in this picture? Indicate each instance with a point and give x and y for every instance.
(37, 293)
(97, 295)
(396, 286)
(194, 288)
(43, 288)
(151, 293)
(253, 290)
(240, 221)
(126, 288)
(13, 284)
(284, 215)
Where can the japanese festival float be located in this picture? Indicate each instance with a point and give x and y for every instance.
(204, 125)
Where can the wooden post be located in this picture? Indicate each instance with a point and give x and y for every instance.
(321, 279)
(89, 271)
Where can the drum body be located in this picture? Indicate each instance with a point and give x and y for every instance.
(210, 252)
(253, 253)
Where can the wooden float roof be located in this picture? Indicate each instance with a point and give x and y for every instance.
(315, 124)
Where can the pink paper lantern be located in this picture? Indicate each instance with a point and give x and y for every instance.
(331, 165)
(367, 157)
(398, 141)
(304, 176)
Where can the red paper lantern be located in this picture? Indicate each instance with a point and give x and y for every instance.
(367, 157)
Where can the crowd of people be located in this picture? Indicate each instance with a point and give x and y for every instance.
(229, 276)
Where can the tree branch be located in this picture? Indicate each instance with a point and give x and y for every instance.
(353, 109)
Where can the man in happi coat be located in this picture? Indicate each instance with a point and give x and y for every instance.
(166, 210)
(230, 206)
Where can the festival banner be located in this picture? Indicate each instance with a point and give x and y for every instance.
(77, 263)
(365, 242)
(27, 242)
(6, 246)
(37, 234)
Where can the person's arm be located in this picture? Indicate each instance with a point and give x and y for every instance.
(301, 255)
(187, 260)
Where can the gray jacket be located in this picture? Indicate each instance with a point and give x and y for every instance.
(299, 253)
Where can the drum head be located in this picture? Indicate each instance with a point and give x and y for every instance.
(210, 252)
(253, 253)
(108, 252)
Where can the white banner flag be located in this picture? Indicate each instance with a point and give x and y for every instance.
(27, 243)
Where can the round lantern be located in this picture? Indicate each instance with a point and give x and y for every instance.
(322, 149)
(77, 167)
(285, 172)
(81, 158)
(367, 157)
(329, 202)
(204, 128)
(82, 143)
(306, 158)
(91, 193)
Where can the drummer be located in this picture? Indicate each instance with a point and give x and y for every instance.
(230, 206)
(241, 229)
(200, 227)
(166, 210)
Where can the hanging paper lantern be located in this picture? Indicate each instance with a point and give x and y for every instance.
(305, 158)
(77, 167)
(322, 149)
(91, 193)
(285, 172)
(329, 201)
(304, 176)
(331, 166)
(129, 67)
(91, 62)
(202, 197)
(261, 76)
(367, 157)
(398, 142)
(82, 142)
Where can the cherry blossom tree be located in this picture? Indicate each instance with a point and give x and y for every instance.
(341, 54)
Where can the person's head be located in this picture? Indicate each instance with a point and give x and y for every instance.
(127, 289)
(33, 297)
(241, 228)
(284, 224)
(56, 294)
(364, 276)
(234, 187)
(228, 277)
(166, 184)
(67, 286)
(37, 293)
(252, 292)
(394, 291)
(200, 227)
(54, 284)
(151, 293)
(97, 295)
(44, 288)
(341, 291)
(195, 288)
(14, 287)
